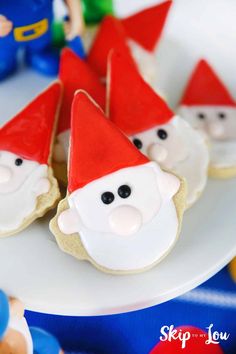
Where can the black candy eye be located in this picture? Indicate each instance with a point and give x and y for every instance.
(201, 115)
(222, 115)
(18, 162)
(138, 143)
(124, 191)
(162, 134)
(107, 197)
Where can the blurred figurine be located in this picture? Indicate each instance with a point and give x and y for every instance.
(15, 335)
(27, 24)
(95, 10)
(232, 269)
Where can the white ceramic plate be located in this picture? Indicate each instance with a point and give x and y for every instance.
(33, 268)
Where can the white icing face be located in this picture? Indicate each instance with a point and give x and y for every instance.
(61, 147)
(21, 182)
(13, 171)
(126, 220)
(164, 144)
(177, 147)
(218, 123)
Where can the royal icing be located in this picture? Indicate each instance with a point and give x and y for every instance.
(154, 129)
(131, 233)
(223, 153)
(177, 147)
(75, 74)
(29, 134)
(19, 191)
(120, 204)
(218, 124)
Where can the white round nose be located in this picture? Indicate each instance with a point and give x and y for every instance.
(125, 220)
(5, 174)
(157, 152)
(216, 130)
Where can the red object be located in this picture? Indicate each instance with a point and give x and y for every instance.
(76, 74)
(111, 35)
(195, 345)
(133, 105)
(146, 26)
(205, 88)
(97, 146)
(30, 133)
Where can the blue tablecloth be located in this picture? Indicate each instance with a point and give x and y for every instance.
(138, 332)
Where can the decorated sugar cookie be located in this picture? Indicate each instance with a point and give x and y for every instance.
(153, 128)
(15, 335)
(143, 30)
(208, 106)
(27, 186)
(75, 74)
(137, 34)
(122, 212)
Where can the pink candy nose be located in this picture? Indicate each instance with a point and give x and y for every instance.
(125, 220)
(5, 174)
(157, 152)
(216, 130)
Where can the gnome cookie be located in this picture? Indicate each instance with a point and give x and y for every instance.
(153, 128)
(122, 212)
(137, 35)
(15, 335)
(143, 31)
(27, 186)
(208, 106)
(75, 74)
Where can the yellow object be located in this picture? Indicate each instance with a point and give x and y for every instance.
(232, 269)
(27, 33)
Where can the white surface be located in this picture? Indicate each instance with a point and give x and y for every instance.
(32, 267)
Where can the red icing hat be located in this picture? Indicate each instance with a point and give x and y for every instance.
(111, 35)
(30, 133)
(195, 345)
(97, 146)
(133, 105)
(76, 74)
(145, 27)
(205, 88)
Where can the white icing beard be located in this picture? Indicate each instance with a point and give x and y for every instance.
(17, 205)
(61, 148)
(184, 152)
(223, 153)
(150, 202)
(20, 325)
(221, 133)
